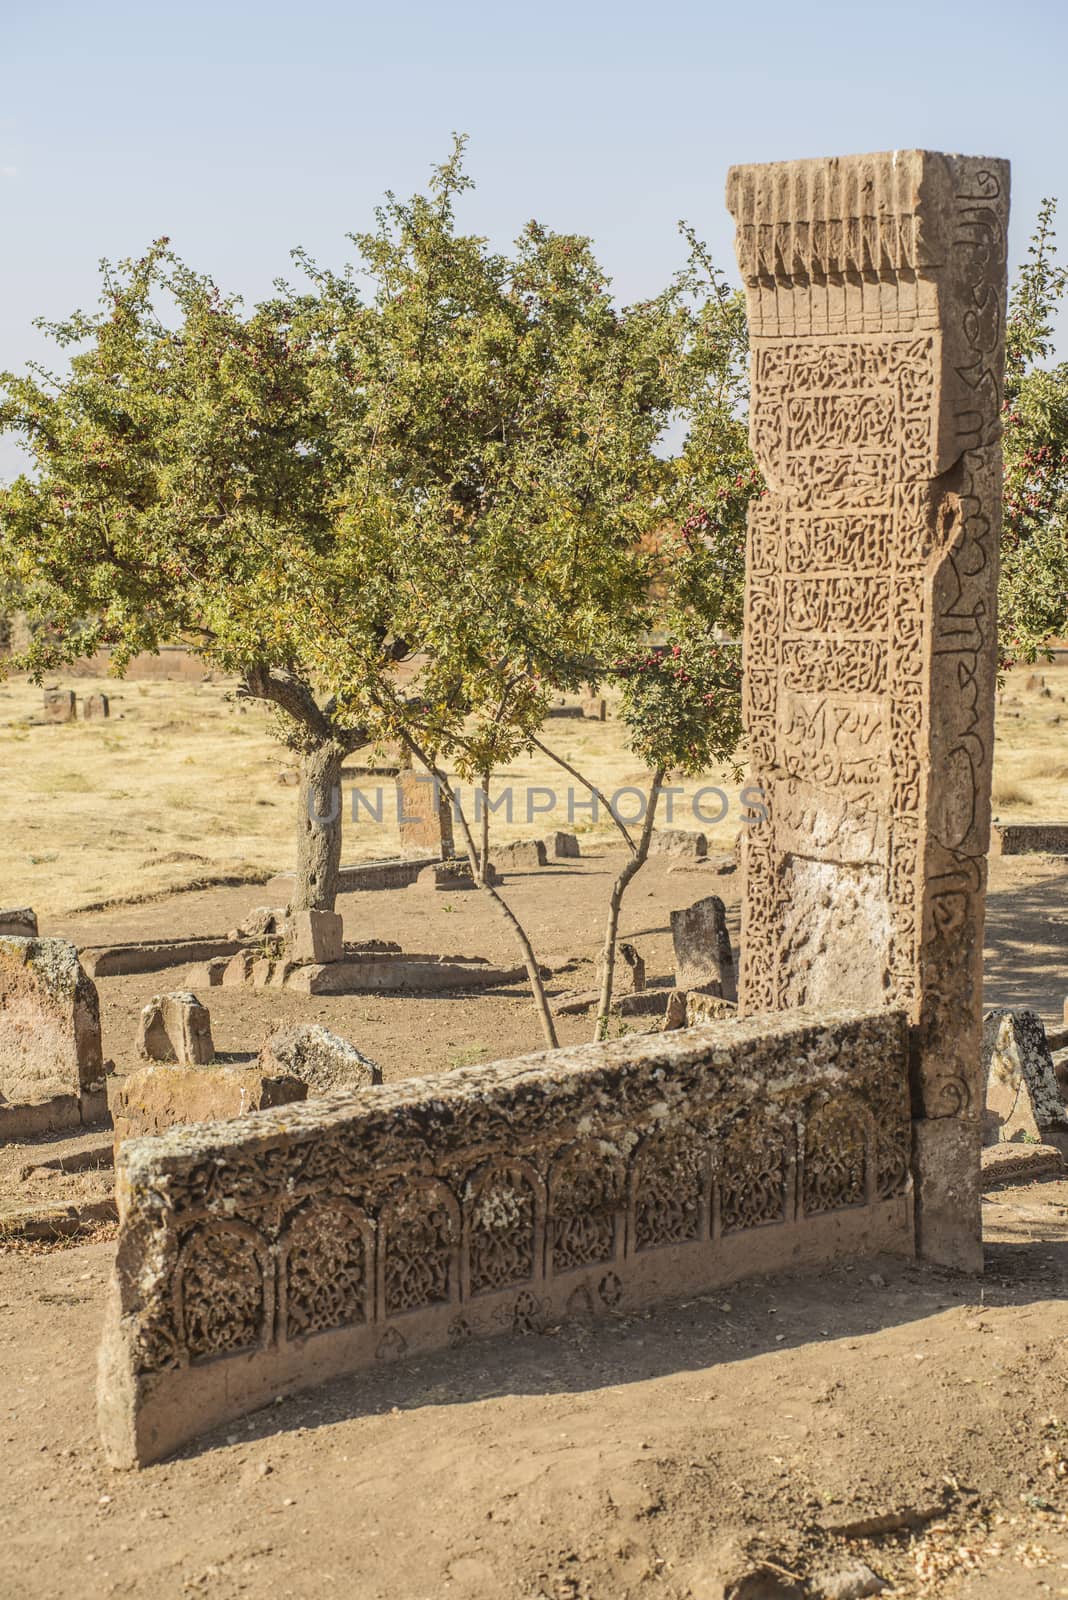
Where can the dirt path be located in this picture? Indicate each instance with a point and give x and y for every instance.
(654, 1456)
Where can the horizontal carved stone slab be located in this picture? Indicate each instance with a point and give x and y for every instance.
(272, 1252)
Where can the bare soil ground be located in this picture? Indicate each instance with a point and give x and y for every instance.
(762, 1428)
(757, 1429)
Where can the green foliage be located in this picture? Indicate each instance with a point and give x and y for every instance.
(1033, 598)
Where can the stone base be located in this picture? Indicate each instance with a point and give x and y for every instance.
(60, 1114)
(159, 1097)
(946, 1173)
(405, 974)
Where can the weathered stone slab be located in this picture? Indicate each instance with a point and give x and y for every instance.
(1023, 1100)
(152, 1099)
(450, 876)
(176, 1027)
(520, 853)
(96, 708)
(682, 842)
(396, 874)
(1020, 1163)
(876, 299)
(260, 1257)
(423, 816)
(315, 936)
(561, 846)
(152, 955)
(703, 955)
(319, 1058)
(1029, 838)
(209, 974)
(401, 974)
(18, 923)
(692, 1008)
(49, 1023)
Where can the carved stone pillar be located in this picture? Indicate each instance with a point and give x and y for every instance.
(876, 292)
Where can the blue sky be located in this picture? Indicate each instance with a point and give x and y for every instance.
(243, 129)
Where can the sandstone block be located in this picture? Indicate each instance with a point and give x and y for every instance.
(96, 708)
(260, 923)
(315, 936)
(562, 846)
(18, 923)
(521, 853)
(702, 944)
(152, 1099)
(60, 705)
(595, 707)
(176, 1027)
(682, 842)
(319, 1058)
(49, 1022)
(1023, 1101)
(209, 974)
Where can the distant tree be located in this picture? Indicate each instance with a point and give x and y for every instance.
(185, 474)
(1033, 599)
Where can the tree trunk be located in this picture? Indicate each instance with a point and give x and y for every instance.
(619, 889)
(483, 860)
(319, 828)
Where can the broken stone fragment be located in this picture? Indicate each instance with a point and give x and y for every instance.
(209, 974)
(18, 923)
(1023, 1101)
(176, 1027)
(561, 846)
(238, 970)
(628, 976)
(454, 874)
(315, 936)
(96, 708)
(319, 1058)
(152, 1099)
(261, 922)
(703, 955)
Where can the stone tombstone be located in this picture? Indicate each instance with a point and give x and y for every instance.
(49, 1022)
(628, 972)
(96, 708)
(59, 705)
(176, 1027)
(703, 955)
(423, 816)
(18, 923)
(1023, 1100)
(560, 846)
(876, 299)
(316, 936)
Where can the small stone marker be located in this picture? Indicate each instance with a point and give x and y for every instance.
(423, 816)
(1023, 1101)
(315, 936)
(319, 1058)
(562, 846)
(176, 1027)
(682, 842)
(151, 1099)
(18, 923)
(595, 707)
(703, 955)
(96, 708)
(521, 853)
(628, 976)
(60, 705)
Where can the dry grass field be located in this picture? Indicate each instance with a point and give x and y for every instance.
(181, 786)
